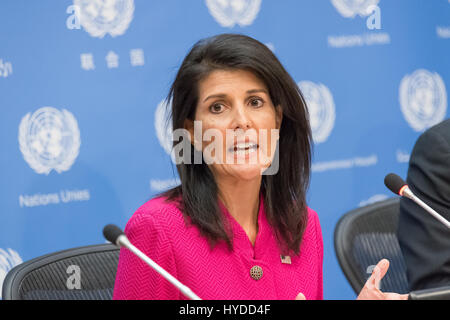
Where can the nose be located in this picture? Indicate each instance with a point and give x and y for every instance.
(241, 119)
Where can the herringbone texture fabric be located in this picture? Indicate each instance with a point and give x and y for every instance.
(159, 230)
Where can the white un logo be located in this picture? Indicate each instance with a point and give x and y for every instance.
(321, 109)
(423, 99)
(350, 8)
(49, 139)
(163, 127)
(99, 17)
(230, 12)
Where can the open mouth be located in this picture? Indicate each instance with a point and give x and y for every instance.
(243, 148)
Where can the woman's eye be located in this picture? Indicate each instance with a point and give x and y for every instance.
(256, 102)
(216, 108)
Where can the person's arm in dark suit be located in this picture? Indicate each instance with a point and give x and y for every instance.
(424, 241)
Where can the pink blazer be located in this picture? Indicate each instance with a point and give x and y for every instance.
(159, 230)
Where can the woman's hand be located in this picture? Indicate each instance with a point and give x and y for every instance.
(300, 296)
(371, 290)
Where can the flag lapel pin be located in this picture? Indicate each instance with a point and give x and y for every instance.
(286, 259)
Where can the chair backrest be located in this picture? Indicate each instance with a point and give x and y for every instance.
(366, 235)
(84, 273)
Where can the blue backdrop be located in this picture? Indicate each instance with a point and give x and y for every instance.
(81, 81)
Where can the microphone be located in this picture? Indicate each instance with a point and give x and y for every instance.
(442, 293)
(115, 235)
(398, 186)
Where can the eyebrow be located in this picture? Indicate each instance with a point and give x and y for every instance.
(223, 95)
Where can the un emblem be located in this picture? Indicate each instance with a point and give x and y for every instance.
(8, 260)
(49, 139)
(423, 99)
(163, 127)
(99, 17)
(350, 8)
(321, 109)
(230, 12)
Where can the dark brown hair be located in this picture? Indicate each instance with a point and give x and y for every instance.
(285, 192)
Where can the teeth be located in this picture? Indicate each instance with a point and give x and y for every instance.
(243, 152)
(245, 145)
(240, 148)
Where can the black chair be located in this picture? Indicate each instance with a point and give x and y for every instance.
(49, 277)
(366, 235)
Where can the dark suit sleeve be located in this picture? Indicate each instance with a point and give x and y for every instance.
(424, 241)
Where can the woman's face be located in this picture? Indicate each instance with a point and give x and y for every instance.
(239, 124)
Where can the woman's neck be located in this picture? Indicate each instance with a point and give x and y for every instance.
(241, 198)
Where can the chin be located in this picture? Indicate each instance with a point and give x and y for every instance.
(246, 172)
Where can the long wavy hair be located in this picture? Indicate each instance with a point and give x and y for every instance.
(285, 192)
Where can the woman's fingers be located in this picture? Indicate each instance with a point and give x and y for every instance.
(377, 274)
(380, 271)
(395, 296)
(371, 290)
(300, 296)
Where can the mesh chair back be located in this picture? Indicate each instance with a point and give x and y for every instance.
(366, 235)
(51, 277)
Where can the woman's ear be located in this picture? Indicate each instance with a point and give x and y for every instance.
(278, 116)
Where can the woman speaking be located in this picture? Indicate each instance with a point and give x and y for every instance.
(238, 226)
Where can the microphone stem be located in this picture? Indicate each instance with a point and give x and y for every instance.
(123, 241)
(408, 193)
